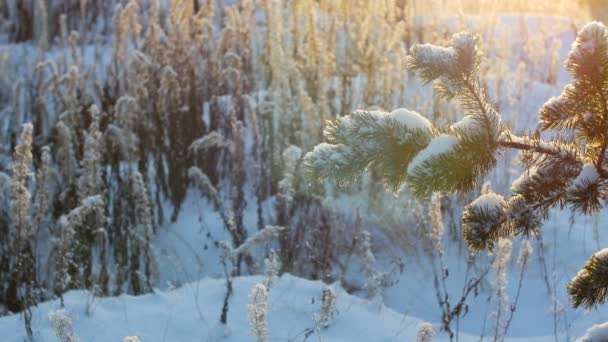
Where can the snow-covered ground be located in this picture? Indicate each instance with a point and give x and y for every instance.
(191, 313)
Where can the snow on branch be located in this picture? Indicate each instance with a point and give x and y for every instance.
(588, 55)
(369, 139)
(588, 287)
(261, 236)
(210, 141)
(458, 60)
(78, 215)
(482, 220)
(442, 144)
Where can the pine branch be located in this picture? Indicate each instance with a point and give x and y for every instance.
(509, 140)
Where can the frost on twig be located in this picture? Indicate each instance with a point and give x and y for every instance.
(328, 309)
(62, 326)
(258, 310)
(424, 332)
(261, 236)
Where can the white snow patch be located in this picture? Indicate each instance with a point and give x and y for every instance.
(517, 185)
(191, 313)
(590, 36)
(329, 149)
(468, 124)
(292, 153)
(439, 145)
(602, 255)
(441, 57)
(410, 119)
(587, 176)
(597, 333)
(462, 40)
(489, 201)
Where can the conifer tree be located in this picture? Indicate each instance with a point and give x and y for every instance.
(562, 170)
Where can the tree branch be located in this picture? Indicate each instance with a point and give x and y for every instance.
(509, 140)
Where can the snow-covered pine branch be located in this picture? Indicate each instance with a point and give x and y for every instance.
(482, 221)
(588, 287)
(405, 146)
(370, 139)
(562, 171)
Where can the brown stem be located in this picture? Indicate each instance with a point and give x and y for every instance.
(528, 147)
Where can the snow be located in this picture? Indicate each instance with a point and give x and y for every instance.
(92, 201)
(468, 124)
(62, 325)
(588, 39)
(292, 153)
(439, 145)
(518, 184)
(597, 333)
(463, 40)
(570, 244)
(441, 58)
(556, 101)
(602, 255)
(209, 141)
(192, 312)
(489, 201)
(588, 175)
(573, 243)
(329, 153)
(410, 119)
(525, 251)
(264, 235)
(425, 332)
